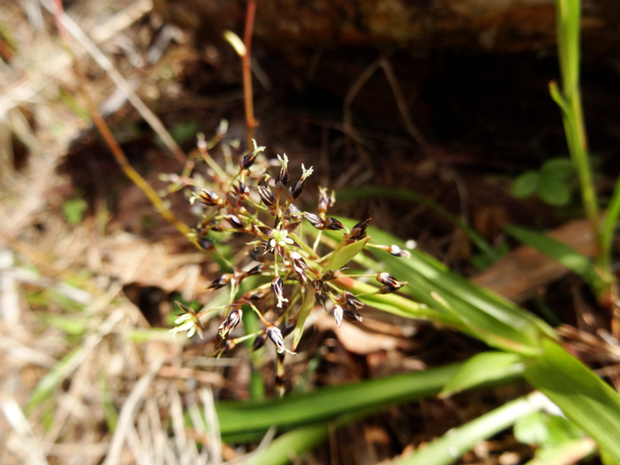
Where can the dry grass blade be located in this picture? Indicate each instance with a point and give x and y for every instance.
(102, 60)
(26, 445)
(126, 418)
(8, 289)
(215, 443)
(23, 89)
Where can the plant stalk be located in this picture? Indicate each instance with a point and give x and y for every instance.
(246, 59)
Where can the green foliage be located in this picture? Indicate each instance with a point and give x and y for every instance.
(446, 449)
(585, 399)
(483, 368)
(545, 430)
(184, 132)
(554, 183)
(559, 251)
(74, 209)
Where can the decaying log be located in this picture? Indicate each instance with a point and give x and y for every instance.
(498, 25)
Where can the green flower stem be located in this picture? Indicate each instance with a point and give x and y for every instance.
(611, 218)
(456, 442)
(569, 100)
(255, 417)
(256, 385)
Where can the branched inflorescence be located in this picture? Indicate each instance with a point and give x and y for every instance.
(292, 272)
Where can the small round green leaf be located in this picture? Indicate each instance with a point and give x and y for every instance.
(560, 169)
(555, 193)
(525, 185)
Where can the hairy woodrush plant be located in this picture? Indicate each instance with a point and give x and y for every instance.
(251, 204)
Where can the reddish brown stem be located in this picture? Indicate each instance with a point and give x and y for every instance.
(248, 97)
(108, 137)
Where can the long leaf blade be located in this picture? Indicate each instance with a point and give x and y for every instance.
(561, 252)
(584, 398)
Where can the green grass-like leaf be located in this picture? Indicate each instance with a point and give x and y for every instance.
(561, 252)
(484, 367)
(585, 399)
(456, 442)
(253, 418)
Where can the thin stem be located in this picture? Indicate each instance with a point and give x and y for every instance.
(246, 58)
(112, 143)
(568, 23)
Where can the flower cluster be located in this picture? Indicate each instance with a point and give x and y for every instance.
(294, 257)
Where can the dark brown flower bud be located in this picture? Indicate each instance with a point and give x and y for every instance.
(390, 284)
(388, 279)
(220, 281)
(204, 243)
(210, 199)
(359, 231)
(230, 323)
(299, 266)
(398, 251)
(320, 292)
(352, 314)
(275, 335)
(326, 201)
(241, 190)
(258, 342)
(282, 178)
(259, 251)
(264, 179)
(328, 275)
(291, 226)
(352, 302)
(333, 224)
(295, 190)
(258, 269)
(315, 220)
(249, 159)
(234, 221)
(277, 287)
(266, 196)
(226, 345)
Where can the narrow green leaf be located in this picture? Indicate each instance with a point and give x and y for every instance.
(245, 420)
(568, 452)
(545, 430)
(485, 366)
(345, 254)
(447, 449)
(488, 317)
(561, 252)
(49, 382)
(584, 398)
(255, 417)
(290, 446)
(609, 227)
(304, 311)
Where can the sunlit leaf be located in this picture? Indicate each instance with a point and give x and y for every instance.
(559, 251)
(484, 366)
(584, 398)
(448, 448)
(345, 254)
(304, 311)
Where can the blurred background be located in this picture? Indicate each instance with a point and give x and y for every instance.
(445, 101)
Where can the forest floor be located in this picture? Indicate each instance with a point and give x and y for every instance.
(90, 270)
